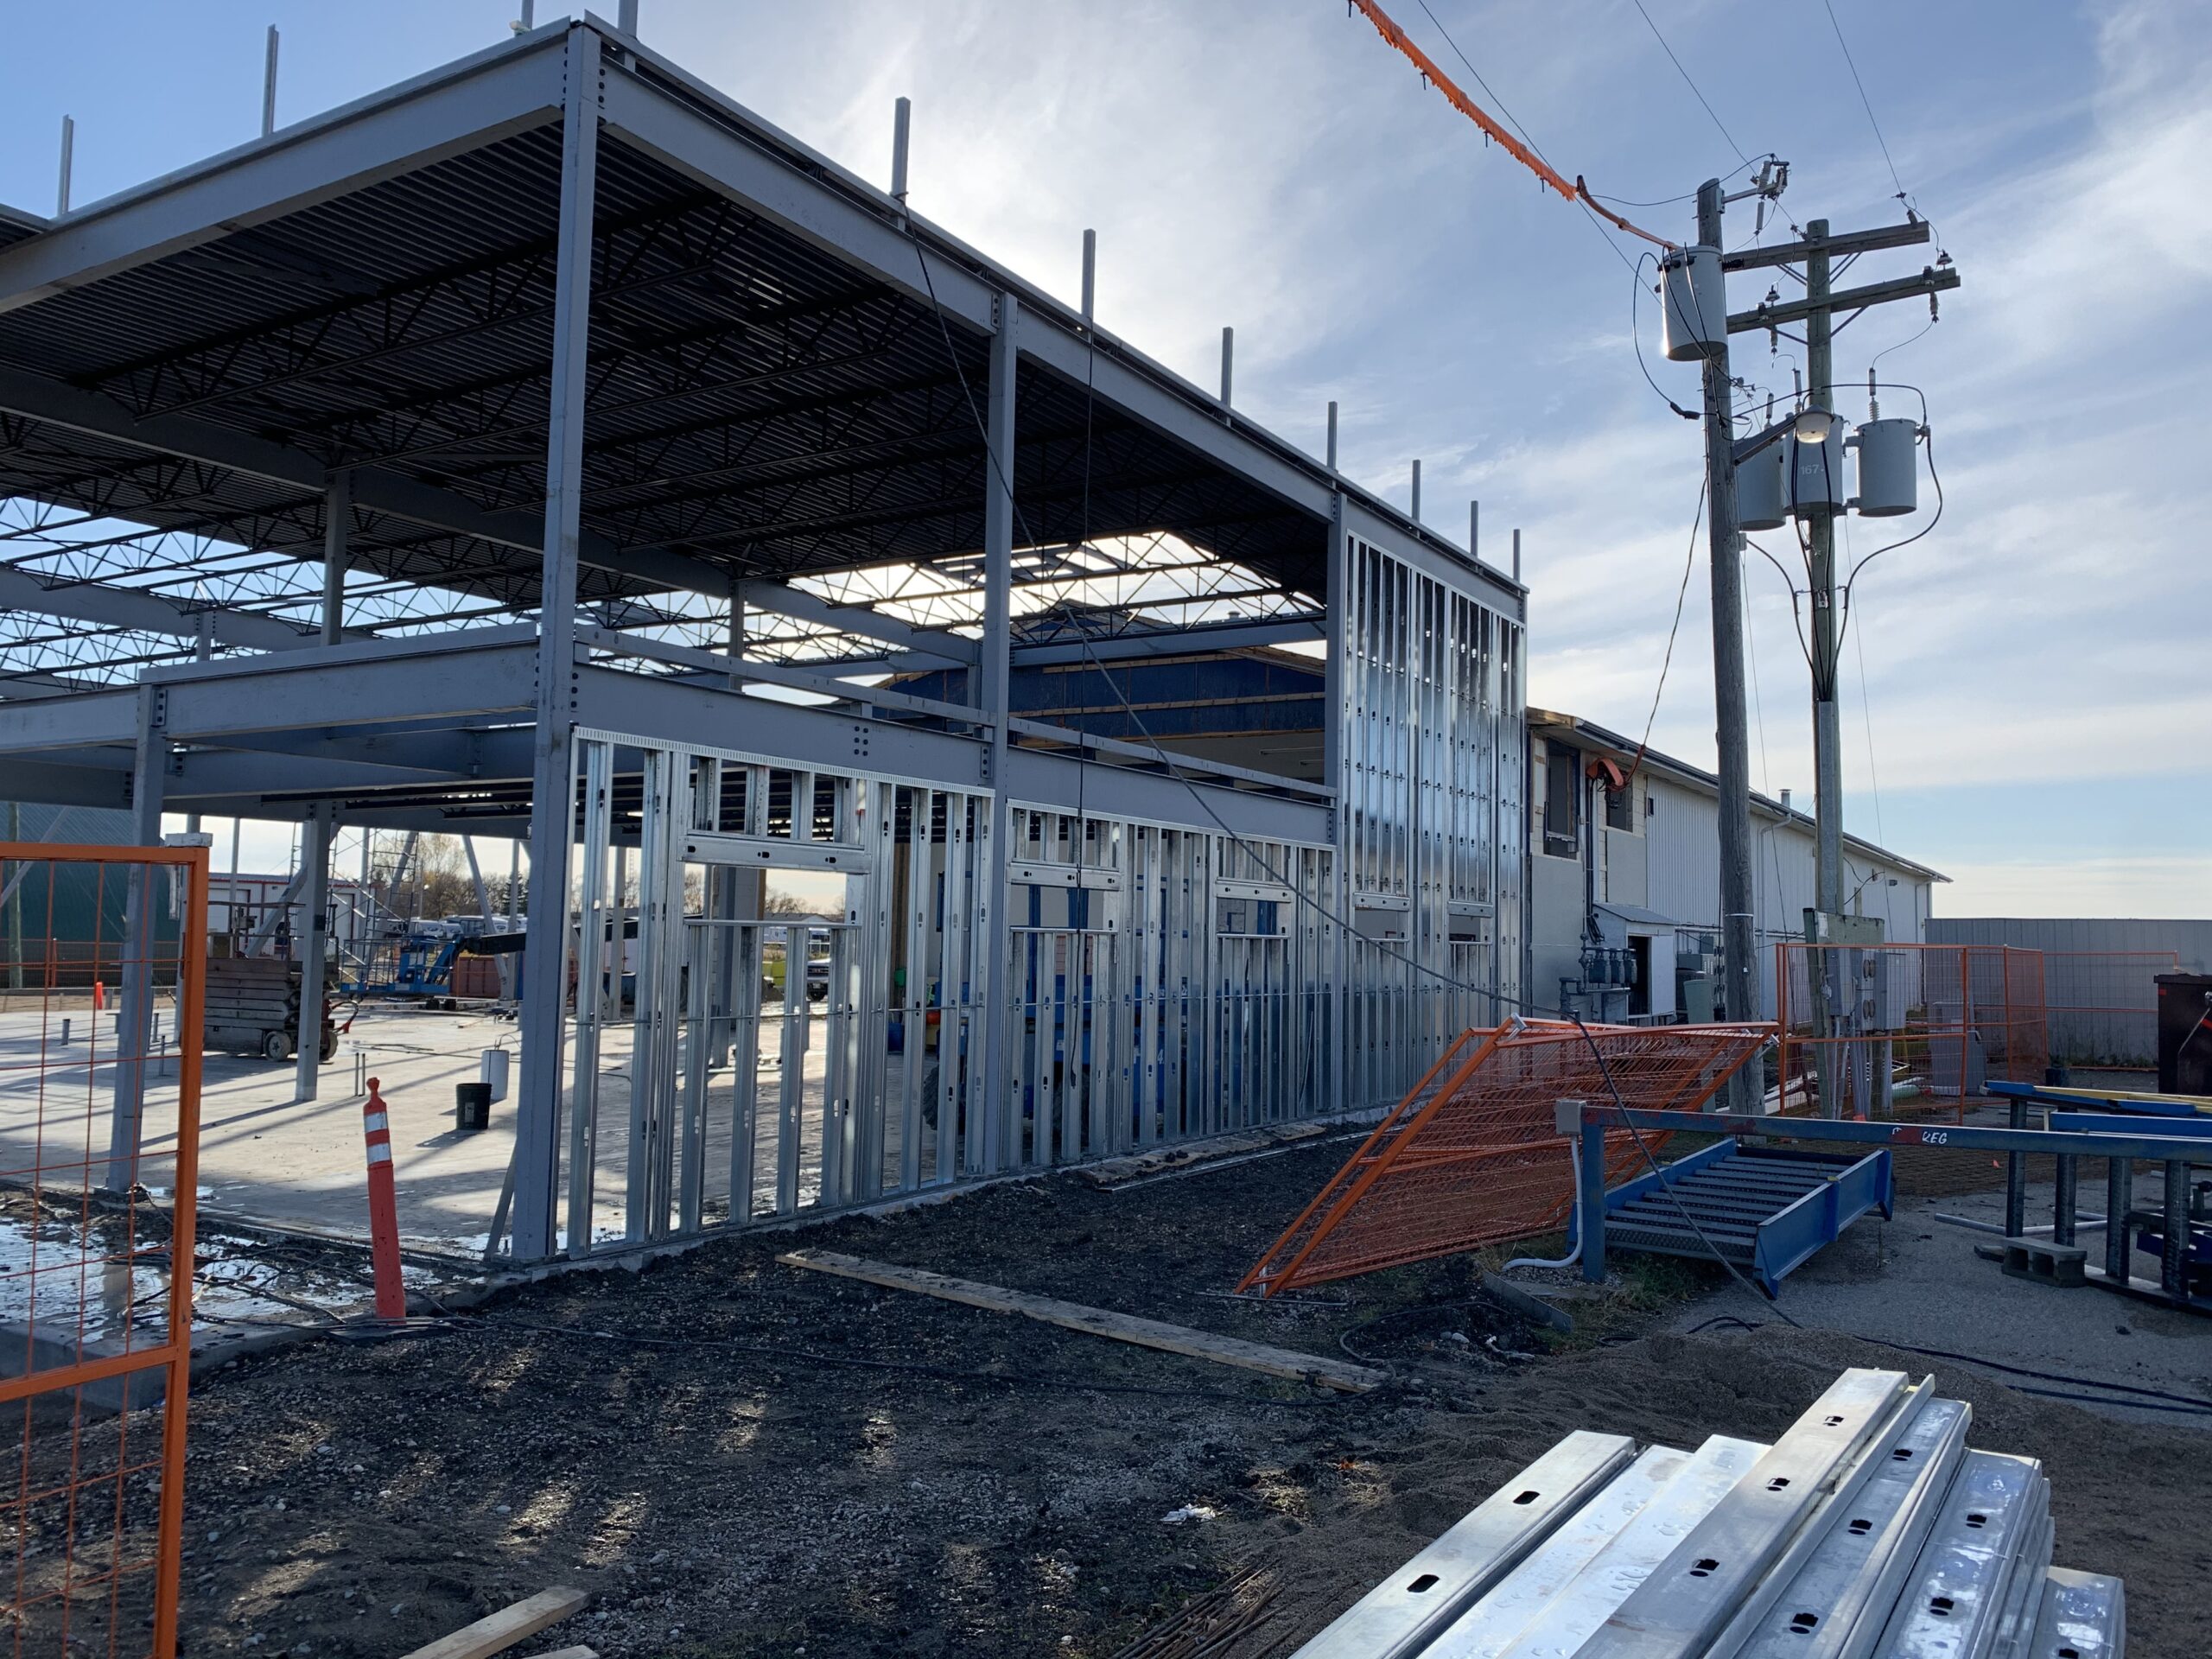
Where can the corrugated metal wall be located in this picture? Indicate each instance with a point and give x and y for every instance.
(2098, 976)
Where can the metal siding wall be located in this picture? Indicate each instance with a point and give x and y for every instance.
(2190, 941)
(2101, 1010)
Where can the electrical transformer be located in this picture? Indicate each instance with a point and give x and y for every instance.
(1888, 468)
(1815, 474)
(1696, 305)
(1759, 488)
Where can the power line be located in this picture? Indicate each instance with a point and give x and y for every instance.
(1519, 127)
(1689, 563)
(1865, 709)
(1851, 64)
(1688, 82)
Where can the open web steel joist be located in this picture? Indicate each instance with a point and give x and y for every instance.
(549, 447)
(1473, 1154)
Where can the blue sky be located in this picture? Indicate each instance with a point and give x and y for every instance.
(2033, 706)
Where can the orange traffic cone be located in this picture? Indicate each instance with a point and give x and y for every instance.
(99, 996)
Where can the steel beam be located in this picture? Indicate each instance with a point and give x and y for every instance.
(308, 690)
(1065, 785)
(657, 708)
(149, 611)
(80, 719)
(716, 153)
(56, 784)
(552, 827)
(463, 106)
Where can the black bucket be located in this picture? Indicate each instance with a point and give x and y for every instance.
(471, 1107)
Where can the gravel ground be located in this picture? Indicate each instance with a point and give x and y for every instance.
(930, 1480)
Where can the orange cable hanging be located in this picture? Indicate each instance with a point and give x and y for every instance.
(1474, 112)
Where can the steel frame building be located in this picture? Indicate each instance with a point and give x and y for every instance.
(496, 440)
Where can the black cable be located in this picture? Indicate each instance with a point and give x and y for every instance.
(1635, 333)
(1620, 1105)
(1851, 580)
(1596, 223)
(1689, 563)
(2193, 1400)
(1688, 82)
(1853, 64)
(1669, 202)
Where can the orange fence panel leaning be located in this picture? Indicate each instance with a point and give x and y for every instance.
(1472, 1156)
(100, 1138)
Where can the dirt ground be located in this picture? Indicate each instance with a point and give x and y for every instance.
(739, 1457)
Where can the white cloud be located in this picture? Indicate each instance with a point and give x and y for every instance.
(2162, 887)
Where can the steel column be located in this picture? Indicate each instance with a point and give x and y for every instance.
(1001, 1147)
(316, 835)
(552, 827)
(134, 1022)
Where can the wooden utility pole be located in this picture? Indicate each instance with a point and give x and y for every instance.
(1738, 926)
(1818, 311)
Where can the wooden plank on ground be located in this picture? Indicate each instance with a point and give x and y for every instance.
(1098, 1322)
(506, 1627)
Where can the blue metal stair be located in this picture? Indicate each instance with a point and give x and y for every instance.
(1764, 1211)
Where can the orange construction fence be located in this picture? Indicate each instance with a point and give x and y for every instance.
(99, 1136)
(1472, 1155)
(1903, 1029)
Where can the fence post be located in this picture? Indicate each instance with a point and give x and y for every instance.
(2119, 1198)
(383, 1208)
(1589, 1187)
(2173, 1261)
(2016, 1178)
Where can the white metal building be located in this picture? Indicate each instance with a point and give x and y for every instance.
(1624, 876)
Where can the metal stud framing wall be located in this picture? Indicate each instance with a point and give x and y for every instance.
(622, 431)
(1432, 705)
(1161, 982)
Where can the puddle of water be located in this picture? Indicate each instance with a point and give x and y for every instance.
(66, 1274)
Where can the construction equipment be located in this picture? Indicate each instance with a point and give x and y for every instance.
(1869, 1528)
(2180, 1226)
(1764, 1210)
(253, 1007)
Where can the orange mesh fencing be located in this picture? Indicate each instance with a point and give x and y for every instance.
(100, 1110)
(1906, 1030)
(1472, 1155)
